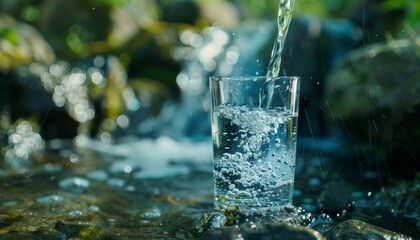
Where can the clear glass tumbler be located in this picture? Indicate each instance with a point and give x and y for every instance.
(254, 125)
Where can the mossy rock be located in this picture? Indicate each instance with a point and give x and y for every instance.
(374, 95)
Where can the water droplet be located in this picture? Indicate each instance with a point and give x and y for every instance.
(74, 158)
(116, 182)
(152, 213)
(144, 222)
(94, 208)
(130, 188)
(74, 184)
(98, 175)
(75, 213)
(50, 199)
(314, 182)
(10, 203)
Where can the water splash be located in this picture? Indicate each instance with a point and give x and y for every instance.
(24, 140)
(78, 89)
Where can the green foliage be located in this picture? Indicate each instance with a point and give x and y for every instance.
(78, 39)
(10, 35)
(324, 8)
(262, 9)
(108, 3)
(414, 13)
(133, 30)
(411, 6)
(30, 13)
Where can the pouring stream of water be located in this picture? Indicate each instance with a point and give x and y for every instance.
(283, 20)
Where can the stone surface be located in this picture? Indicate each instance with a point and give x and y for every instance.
(374, 96)
(283, 231)
(35, 206)
(355, 229)
(35, 235)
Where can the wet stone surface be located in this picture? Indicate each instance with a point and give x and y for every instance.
(102, 196)
(266, 231)
(355, 229)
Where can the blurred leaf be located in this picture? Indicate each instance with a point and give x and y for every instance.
(166, 2)
(10, 35)
(21, 44)
(30, 13)
(411, 6)
(108, 3)
(315, 8)
(78, 40)
(395, 4)
(414, 15)
(263, 9)
(125, 59)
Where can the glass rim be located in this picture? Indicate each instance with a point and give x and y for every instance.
(251, 78)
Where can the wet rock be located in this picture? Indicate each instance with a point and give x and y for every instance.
(263, 231)
(25, 222)
(216, 220)
(36, 235)
(335, 197)
(7, 219)
(402, 197)
(70, 229)
(212, 221)
(219, 219)
(322, 223)
(369, 99)
(288, 214)
(355, 229)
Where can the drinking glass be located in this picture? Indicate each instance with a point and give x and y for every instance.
(254, 125)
